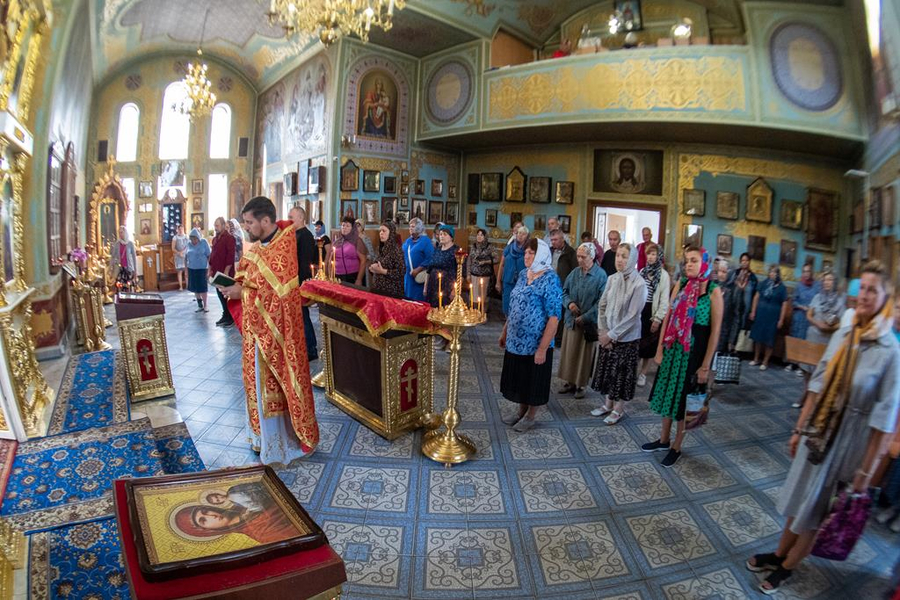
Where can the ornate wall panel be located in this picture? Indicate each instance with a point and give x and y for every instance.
(450, 91)
(711, 84)
(806, 72)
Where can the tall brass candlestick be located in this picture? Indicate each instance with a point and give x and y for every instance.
(445, 445)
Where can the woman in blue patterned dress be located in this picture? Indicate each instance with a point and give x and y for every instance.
(686, 349)
(768, 314)
(528, 333)
(806, 290)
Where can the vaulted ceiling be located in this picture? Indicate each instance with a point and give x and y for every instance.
(238, 33)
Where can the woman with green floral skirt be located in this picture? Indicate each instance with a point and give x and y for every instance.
(686, 350)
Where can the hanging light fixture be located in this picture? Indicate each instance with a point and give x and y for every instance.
(199, 98)
(330, 19)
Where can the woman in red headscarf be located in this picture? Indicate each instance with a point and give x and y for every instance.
(686, 349)
(266, 526)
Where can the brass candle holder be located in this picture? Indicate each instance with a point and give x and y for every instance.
(445, 445)
(319, 378)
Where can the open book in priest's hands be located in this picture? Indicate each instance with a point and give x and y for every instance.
(220, 279)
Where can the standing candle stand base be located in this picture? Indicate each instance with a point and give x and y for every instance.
(319, 379)
(444, 445)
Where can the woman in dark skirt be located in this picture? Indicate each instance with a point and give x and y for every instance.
(655, 309)
(197, 259)
(528, 334)
(619, 325)
(685, 350)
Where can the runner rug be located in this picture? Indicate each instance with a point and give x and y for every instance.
(93, 393)
(68, 478)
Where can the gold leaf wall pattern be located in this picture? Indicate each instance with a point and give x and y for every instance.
(712, 83)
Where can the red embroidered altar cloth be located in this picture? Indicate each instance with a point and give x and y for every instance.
(378, 313)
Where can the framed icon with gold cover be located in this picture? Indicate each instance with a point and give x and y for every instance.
(215, 521)
(759, 201)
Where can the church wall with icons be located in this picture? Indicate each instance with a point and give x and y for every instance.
(144, 83)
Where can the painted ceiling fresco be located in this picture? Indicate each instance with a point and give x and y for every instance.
(238, 32)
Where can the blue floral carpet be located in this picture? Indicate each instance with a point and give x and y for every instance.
(93, 393)
(68, 478)
(78, 561)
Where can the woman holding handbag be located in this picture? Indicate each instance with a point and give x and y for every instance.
(685, 351)
(581, 293)
(851, 407)
(481, 266)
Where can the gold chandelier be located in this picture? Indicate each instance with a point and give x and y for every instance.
(199, 99)
(331, 19)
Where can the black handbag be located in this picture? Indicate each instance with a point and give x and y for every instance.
(590, 333)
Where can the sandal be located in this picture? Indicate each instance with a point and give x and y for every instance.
(601, 412)
(764, 562)
(614, 417)
(778, 577)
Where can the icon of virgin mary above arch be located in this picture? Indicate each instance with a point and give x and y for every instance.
(377, 109)
(377, 106)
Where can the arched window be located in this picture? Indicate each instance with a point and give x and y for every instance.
(127, 140)
(175, 128)
(217, 193)
(220, 132)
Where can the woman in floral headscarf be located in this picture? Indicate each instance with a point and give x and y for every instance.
(686, 349)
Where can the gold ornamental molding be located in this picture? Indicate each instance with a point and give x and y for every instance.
(370, 163)
(31, 390)
(703, 84)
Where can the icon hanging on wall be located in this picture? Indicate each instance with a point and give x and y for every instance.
(565, 192)
(791, 214)
(727, 205)
(539, 189)
(759, 201)
(491, 186)
(515, 185)
(694, 203)
(724, 244)
(349, 177)
(371, 181)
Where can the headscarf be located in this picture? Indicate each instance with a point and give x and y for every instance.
(684, 307)
(391, 248)
(769, 286)
(543, 260)
(196, 233)
(589, 248)
(651, 276)
(831, 302)
(418, 226)
(822, 426)
(350, 238)
(238, 231)
(449, 229)
(621, 286)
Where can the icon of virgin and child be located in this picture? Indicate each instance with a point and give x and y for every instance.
(377, 109)
(246, 508)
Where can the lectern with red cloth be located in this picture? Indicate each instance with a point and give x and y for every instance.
(142, 332)
(316, 574)
(379, 359)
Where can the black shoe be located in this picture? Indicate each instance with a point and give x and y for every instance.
(671, 458)
(221, 322)
(776, 579)
(226, 324)
(655, 446)
(764, 562)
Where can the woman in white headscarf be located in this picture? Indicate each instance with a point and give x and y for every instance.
(528, 334)
(235, 229)
(619, 325)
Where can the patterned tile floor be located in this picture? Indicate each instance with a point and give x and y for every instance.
(571, 509)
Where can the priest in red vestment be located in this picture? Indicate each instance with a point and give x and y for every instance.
(266, 304)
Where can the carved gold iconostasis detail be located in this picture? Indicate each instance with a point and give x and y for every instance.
(25, 24)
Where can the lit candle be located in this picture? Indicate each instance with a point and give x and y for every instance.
(471, 298)
(440, 283)
(440, 299)
(312, 269)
